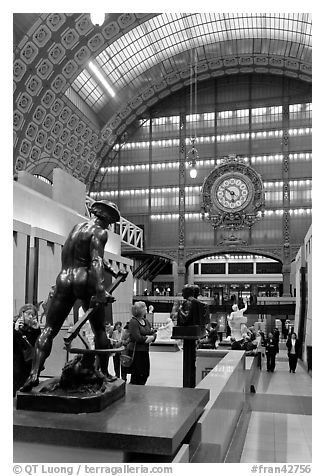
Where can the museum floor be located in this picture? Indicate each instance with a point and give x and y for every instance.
(277, 423)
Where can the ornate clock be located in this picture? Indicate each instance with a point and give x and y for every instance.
(232, 195)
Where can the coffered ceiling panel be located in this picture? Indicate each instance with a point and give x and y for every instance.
(77, 86)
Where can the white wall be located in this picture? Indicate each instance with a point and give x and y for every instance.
(39, 216)
(300, 262)
(293, 277)
(21, 234)
(304, 259)
(68, 190)
(40, 211)
(308, 255)
(30, 181)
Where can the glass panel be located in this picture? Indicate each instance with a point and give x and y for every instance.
(168, 35)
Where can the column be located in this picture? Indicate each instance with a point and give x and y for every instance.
(150, 182)
(286, 271)
(118, 176)
(181, 206)
(286, 246)
(250, 148)
(216, 231)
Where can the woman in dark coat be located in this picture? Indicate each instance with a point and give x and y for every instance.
(294, 349)
(271, 349)
(141, 335)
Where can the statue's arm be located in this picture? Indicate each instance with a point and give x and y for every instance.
(109, 269)
(97, 247)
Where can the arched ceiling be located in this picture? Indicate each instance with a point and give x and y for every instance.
(64, 116)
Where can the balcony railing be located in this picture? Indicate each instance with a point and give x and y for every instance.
(274, 306)
(131, 234)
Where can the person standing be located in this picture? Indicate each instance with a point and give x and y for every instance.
(271, 349)
(276, 334)
(141, 335)
(25, 332)
(221, 329)
(125, 338)
(294, 348)
(117, 342)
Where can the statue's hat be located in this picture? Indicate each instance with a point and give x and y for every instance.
(109, 207)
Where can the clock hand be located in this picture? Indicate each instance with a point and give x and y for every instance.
(233, 195)
(227, 190)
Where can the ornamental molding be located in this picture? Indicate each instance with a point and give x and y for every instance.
(232, 195)
(194, 254)
(170, 254)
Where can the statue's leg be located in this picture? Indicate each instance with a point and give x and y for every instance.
(59, 309)
(97, 321)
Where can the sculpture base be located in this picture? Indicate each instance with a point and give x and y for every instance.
(188, 332)
(140, 424)
(91, 398)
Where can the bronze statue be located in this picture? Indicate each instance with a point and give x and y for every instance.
(81, 277)
(192, 311)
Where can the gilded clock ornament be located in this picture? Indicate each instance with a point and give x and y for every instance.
(232, 195)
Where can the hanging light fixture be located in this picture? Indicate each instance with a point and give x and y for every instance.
(97, 18)
(192, 155)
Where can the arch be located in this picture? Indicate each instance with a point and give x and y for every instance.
(44, 167)
(121, 123)
(214, 68)
(58, 47)
(256, 251)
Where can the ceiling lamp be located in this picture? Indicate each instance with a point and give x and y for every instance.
(97, 18)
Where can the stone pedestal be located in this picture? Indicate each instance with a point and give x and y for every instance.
(189, 334)
(92, 399)
(147, 424)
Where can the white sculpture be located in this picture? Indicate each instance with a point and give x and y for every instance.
(237, 322)
(165, 331)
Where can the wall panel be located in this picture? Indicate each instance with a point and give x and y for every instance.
(21, 235)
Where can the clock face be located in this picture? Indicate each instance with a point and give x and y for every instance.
(232, 193)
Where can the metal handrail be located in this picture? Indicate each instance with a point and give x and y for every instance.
(130, 233)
